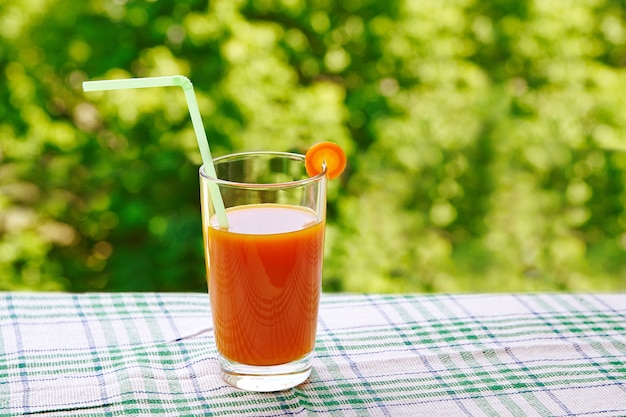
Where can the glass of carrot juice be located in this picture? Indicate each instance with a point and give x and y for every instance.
(264, 269)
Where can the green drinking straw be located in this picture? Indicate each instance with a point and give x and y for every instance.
(196, 120)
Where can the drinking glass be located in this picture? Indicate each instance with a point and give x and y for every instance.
(264, 270)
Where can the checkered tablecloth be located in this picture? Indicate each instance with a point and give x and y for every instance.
(406, 355)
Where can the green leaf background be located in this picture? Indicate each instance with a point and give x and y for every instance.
(485, 138)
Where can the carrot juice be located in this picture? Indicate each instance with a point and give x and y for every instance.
(264, 278)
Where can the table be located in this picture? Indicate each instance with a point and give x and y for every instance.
(116, 354)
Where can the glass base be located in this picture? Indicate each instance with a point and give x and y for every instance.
(266, 378)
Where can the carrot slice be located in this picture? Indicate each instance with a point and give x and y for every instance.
(327, 154)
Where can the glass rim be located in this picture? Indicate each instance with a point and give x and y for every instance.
(246, 155)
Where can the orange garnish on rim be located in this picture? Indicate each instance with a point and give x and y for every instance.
(327, 154)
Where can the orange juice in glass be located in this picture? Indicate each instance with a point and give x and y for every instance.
(264, 270)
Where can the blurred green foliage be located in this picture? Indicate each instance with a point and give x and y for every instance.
(486, 138)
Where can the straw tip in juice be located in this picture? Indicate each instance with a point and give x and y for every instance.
(327, 154)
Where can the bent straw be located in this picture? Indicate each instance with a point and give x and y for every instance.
(196, 120)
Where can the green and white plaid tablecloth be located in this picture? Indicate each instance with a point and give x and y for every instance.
(409, 355)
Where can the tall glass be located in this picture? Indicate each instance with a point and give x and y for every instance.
(264, 271)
